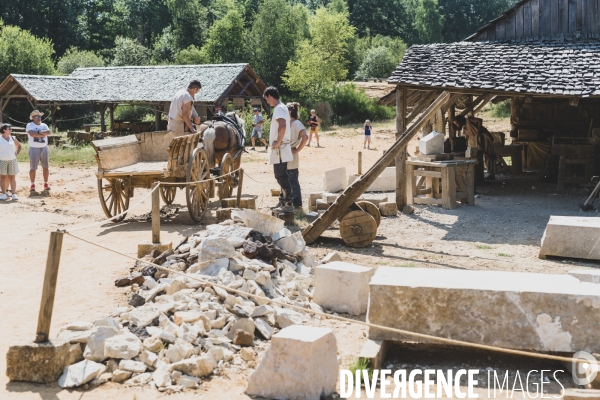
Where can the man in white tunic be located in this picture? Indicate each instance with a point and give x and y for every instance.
(182, 111)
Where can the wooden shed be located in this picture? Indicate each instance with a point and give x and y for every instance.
(543, 55)
(153, 86)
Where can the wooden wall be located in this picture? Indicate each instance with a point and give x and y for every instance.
(545, 18)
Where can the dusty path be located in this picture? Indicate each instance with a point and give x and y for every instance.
(502, 232)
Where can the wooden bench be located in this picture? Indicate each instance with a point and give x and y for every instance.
(440, 182)
(88, 127)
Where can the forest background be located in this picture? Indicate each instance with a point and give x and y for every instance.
(307, 48)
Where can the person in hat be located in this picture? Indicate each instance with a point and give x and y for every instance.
(37, 138)
(257, 131)
(182, 112)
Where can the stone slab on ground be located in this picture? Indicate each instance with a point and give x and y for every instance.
(342, 287)
(573, 237)
(301, 363)
(586, 275)
(147, 248)
(540, 312)
(388, 209)
(335, 180)
(386, 182)
(37, 362)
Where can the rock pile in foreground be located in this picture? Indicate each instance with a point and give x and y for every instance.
(177, 330)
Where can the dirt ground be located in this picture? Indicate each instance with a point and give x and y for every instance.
(501, 232)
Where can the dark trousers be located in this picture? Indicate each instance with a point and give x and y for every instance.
(281, 174)
(295, 186)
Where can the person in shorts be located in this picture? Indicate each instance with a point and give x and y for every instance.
(37, 135)
(9, 167)
(313, 122)
(257, 131)
(368, 131)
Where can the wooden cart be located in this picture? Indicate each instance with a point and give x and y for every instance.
(137, 161)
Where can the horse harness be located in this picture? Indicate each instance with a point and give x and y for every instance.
(230, 122)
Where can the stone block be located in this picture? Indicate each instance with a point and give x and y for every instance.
(322, 205)
(214, 248)
(335, 180)
(342, 287)
(374, 198)
(574, 237)
(126, 345)
(293, 244)
(301, 363)
(388, 209)
(330, 257)
(586, 275)
(265, 224)
(432, 143)
(386, 182)
(312, 200)
(146, 248)
(330, 198)
(539, 312)
(37, 362)
(223, 214)
(246, 201)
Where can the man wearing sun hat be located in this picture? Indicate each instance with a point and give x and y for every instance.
(37, 135)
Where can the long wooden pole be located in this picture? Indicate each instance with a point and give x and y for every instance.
(49, 289)
(358, 187)
(239, 191)
(156, 214)
(401, 97)
(360, 163)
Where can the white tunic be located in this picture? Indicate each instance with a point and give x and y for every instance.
(8, 149)
(284, 152)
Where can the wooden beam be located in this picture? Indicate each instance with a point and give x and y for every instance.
(102, 119)
(49, 288)
(401, 100)
(483, 104)
(111, 116)
(157, 117)
(451, 126)
(358, 187)
(423, 104)
(12, 89)
(245, 87)
(483, 98)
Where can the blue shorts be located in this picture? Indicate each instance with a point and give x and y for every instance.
(257, 133)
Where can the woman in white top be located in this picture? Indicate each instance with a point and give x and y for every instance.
(9, 168)
(298, 139)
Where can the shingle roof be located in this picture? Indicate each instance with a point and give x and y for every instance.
(569, 68)
(147, 84)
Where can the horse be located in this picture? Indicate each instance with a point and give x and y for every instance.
(221, 137)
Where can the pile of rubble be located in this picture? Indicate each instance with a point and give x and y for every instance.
(177, 329)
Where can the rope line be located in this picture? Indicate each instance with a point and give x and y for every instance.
(343, 319)
(197, 182)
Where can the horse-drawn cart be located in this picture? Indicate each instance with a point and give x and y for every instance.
(137, 161)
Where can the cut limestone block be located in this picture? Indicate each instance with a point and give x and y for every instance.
(265, 224)
(335, 180)
(575, 237)
(147, 248)
(342, 287)
(322, 205)
(388, 209)
(432, 143)
(223, 214)
(312, 200)
(375, 351)
(301, 363)
(586, 275)
(246, 201)
(37, 362)
(540, 312)
(386, 182)
(330, 198)
(373, 198)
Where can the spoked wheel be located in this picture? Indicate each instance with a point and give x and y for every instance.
(114, 197)
(168, 194)
(228, 182)
(197, 195)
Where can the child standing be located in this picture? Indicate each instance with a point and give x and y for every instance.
(9, 168)
(368, 128)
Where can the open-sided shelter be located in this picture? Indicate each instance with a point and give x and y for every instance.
(153, 86)
(543, 55)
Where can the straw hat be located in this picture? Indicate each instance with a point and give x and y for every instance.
(35, 113)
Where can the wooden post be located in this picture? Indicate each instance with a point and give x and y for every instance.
(53, 116)
(401, 94)
(102, 121)
(411, 190)
(239, 191)
(451, 126)
(448, 187)
(156, 214)
(360, 163)
(49, 289)
(157, 119)
(111, 116)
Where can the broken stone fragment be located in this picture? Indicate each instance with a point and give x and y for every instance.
(136, 300)
(217, 353)
(133, 366)
(247, 354)
(333, 256)
(122, 282)
(75, 354)
(124, 346)
(74, 336)
(161, 334)
(142, 317)
(243, 338)
(148, 357)
(94, 351)
(80, 373)
(153, 343)
(210, 268)
(293, 244)
(263, 328)
(285, 317)
(214, 248)
(78, 326)
(187, 382)
(245, 324)
(198, 366)
(186, 316)
(119, 376)
(161, 377)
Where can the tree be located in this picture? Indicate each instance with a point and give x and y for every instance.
(99, 26)
(143, 20)
(378, 63)
(75, 58)
(129, 52)
(165, 48)
(276, 33)
(189, 18)
(428, 21)
(23, 53)
(462, 18)
(191, 56)
(377, 17)
(227, 40)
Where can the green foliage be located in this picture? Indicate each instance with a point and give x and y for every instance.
(191, 56)
(129, 52)
(248, 116)
(23, 53)
(276, 32)
(61, 156)
(377, 17)
(462, 18)
(143, 20)
(75, 58)
(189, 17)
(428, 21)
(165, 48)
(501, 110)
(352, 105)
(379, 62)
(131, 113)
(361, 364)
(226, 41)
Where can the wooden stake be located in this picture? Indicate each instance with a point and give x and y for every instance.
(360, 163)
(239, 191)
(156, 214)
(401, 96)
(49, 289)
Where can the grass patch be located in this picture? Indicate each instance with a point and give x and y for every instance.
(406, 265)
(61, 156)
(360, 364)
(505, 255)
(382, 263)
(483, 247)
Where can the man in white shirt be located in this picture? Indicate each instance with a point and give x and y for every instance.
(37, 136)
(279, 140)
(182, 111)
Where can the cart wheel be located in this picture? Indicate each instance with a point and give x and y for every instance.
(371, 209)
(167, 193)
(114, 197)
(197, 195)
(227, 183)
(358, 229)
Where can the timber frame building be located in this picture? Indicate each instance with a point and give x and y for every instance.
(544, 55)
(153, 86)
